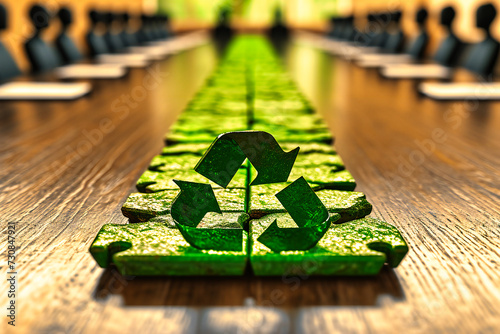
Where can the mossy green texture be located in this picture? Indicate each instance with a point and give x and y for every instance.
(350, 205)
(283, 134)
(161, 163)
(219, 232)
(184, 148)
(140, 207)
(155, 249)
(309, 148)
(321, 177)
(355, 248)
(307, 212)
(266, 108)
(195, 124)
(164, 163)
(248, 90)
(152, 181)
(325, 177)
(229, 151)
(204, 129)
(319, 160)
(299, 123)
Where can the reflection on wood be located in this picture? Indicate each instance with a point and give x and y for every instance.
(287, 291)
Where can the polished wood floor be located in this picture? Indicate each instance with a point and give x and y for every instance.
(430, 168)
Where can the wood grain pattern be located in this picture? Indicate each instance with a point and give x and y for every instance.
(429, 168)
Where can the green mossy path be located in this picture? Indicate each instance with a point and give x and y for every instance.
(249, 90)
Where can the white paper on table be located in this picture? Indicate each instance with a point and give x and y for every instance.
(125, 59)
(461, 90)
(161, 49)
(43, 90)
(152, 52)
(348, 50)
(91, 71)
(379, 60)
(416, 71)
(316, 41)
(355, 52)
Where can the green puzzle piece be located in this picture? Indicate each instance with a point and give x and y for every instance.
(310, 217)
(291, 107)
(163, 163)
(302, 123)
(283, 134)
(248, 90)
(151, 181)
(324, 177)
(184, 148)
(204, 129)
(219, 97)
(229, 150)
(156, 249)
(355, 248)
(140, 207)
(318, 160)
(198, 124)
(220, 94)
(218, 239)
(219, 109)
(309, 148)
(189, 208)
(350, 205)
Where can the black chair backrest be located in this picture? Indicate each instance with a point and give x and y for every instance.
(128, 38)
(370, 31)
(418, 46)
(144, 34)
(95, 41)
(42, 56)
(378, 24)
(64, 43)
(161, 26)
(483, 56)
(338, 27)
(395, 40)
(333, 27)
(451, 47)
(113, 40)
(348, 31)
(8, 67)
(165, 26)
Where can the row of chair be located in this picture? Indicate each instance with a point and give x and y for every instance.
(102, 38)
(383, 32)
(153, 28)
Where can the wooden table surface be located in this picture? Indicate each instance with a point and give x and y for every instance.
(430, 168)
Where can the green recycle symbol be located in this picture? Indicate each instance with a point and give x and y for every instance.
(219, 164)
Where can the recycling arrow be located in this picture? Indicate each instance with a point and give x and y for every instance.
(193, 202)
(219, 164)
(308, 212)
(229, 150)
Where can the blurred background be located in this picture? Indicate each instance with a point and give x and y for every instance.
(245, 15)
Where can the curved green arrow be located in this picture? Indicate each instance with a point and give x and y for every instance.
(222, 239)
(308, 212)
(229, 150)
(194, 201)
(284, 239)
